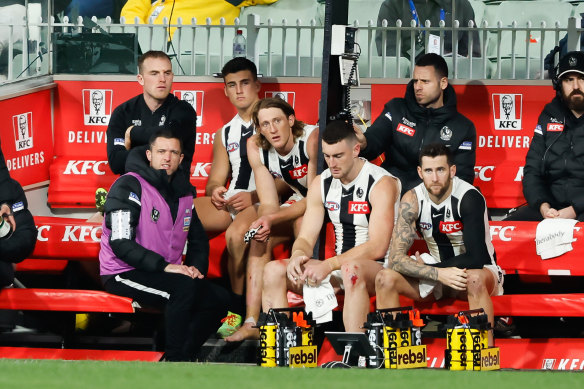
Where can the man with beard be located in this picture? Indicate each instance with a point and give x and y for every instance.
(553, 177)
(451, 216)
(427, 114)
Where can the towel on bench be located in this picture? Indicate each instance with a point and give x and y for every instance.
(554, 237)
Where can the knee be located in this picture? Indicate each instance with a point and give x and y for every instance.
(475, 282)
(352, 275)
(275, 274)
(386, 281)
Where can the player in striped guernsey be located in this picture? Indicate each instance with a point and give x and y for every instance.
(284, 150)
(451, 216)
(231, 208)
(361, 200)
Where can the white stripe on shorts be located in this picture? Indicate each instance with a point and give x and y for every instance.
(142, 288)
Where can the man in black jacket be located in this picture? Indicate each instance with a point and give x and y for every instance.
(426, 115)
(18, 245)
(133, 122)
(432, 10)
(149, 217)
(553, 177)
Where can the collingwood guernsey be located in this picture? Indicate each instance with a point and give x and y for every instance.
(292, 167)
(348, 205)
(442, 225)
(234, 136)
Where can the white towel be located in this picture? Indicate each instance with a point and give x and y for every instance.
(554, 237)
(428, 286)
(320, 300)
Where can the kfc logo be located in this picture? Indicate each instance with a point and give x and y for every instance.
(299, 172)
(289, 97)
(22, 126)
(507, 111)
(450, 227)
(358, 207)
(332, 206)
(405, 130)
(501, 232)
(97, 106)
(484, 173)
(81, 233)
(195, 99)
(201, 169)
(555, 127)
(84, 167)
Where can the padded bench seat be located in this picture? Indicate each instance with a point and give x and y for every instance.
(64, 300)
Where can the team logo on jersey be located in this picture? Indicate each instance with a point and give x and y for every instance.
(289, 97)
(22, 126)
(332, 206)
(445, 133)
(296, 160)
(409, 131)
(97, 106)
(507, 111)
(299, 172)
(425, 226)
(555, 127)
(275, 174)
(450, 227)
(155, 215)
(195, 99)
(359, 192)
(233, 146)
(358, 207)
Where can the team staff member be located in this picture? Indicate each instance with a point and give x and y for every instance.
(148, 220)
(133, 122)
(19, 244)
(284, 151)
(451, 216)
(361, 200)
(553, 176)
(427, 114)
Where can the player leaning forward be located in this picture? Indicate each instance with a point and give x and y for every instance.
(361, 200)
(451, 216)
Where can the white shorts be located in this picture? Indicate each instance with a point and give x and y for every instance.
(292, 199)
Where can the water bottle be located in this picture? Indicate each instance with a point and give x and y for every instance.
(5, 228)
(239, 45)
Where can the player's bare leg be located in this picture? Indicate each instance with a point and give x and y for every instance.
(389, 285)
(359, 283)
(213, 219)
(237, 248)
(480, 285)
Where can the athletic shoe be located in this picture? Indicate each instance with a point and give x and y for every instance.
(100, 196)
(231, 323)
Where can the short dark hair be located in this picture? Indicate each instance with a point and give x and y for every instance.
(166, 132)
(239, 64)
(434, 150)
(432, 59)
(275, 102)
(337, 131)
(151, 54)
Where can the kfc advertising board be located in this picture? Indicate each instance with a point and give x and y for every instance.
(25, 133)
(83, 110)
(505, 117)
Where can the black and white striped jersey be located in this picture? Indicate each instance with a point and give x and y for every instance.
(456, 228)
(293, 167)
(348, 206)
(234, 136)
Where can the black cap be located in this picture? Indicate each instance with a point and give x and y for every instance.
(571, 62)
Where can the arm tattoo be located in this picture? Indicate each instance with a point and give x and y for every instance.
(404, 234)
